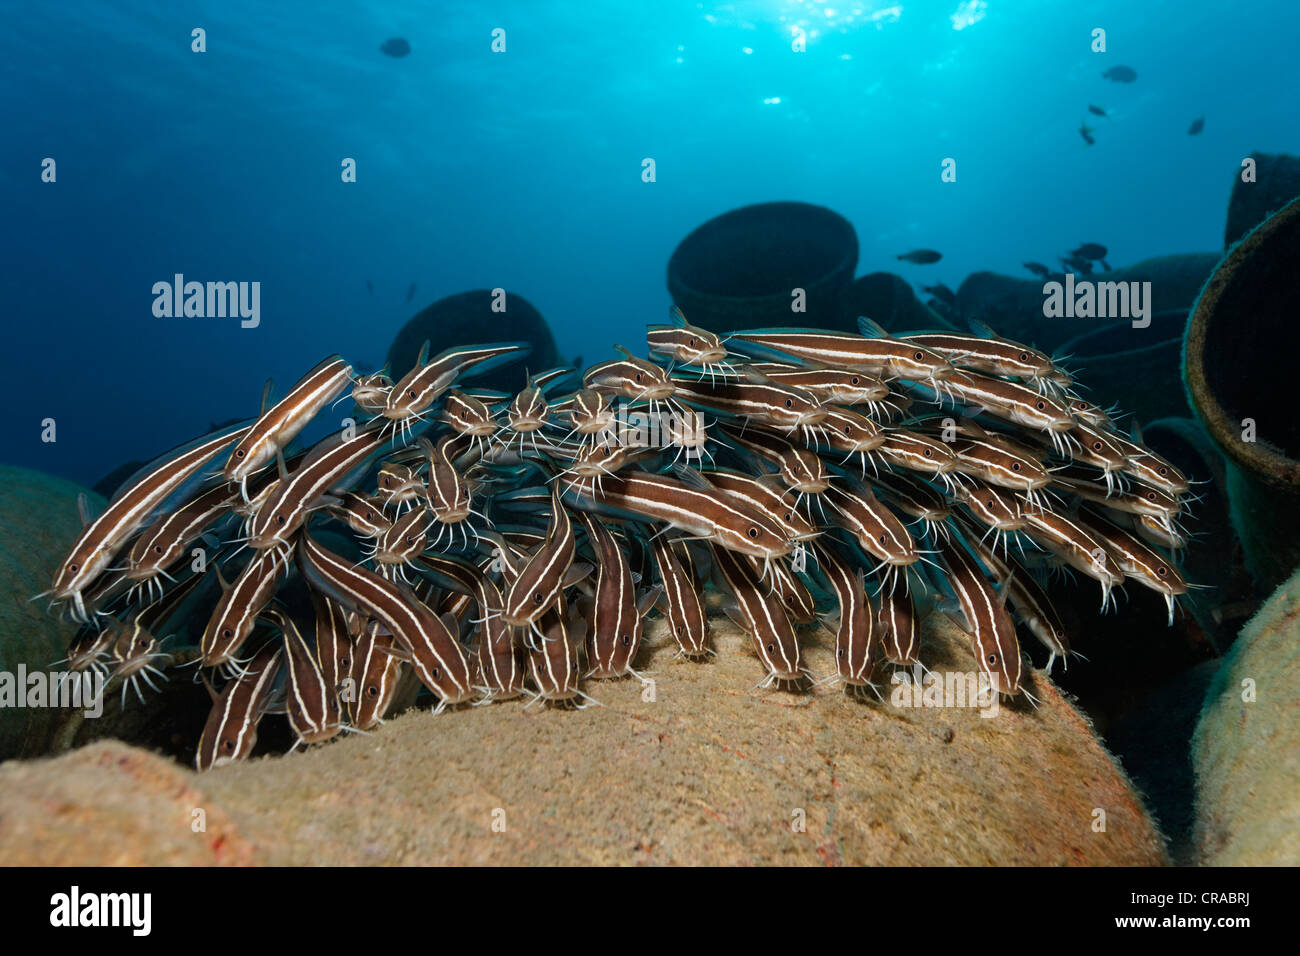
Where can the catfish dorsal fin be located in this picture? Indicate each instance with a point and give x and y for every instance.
(752, 374)
(677, 317)
(955, 623)
(266, 395)
(736, 618)
(577, 571)
(691, 477)
(83, 508)
(280, 465)
(872, 329)
(1136, 432)
(624, 352)
(424, 354)
(981, 329)
(401, 653)
(648, 600)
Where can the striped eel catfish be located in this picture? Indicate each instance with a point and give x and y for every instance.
(613, 611)
(163, 543)
(375, 678)
(311, 704)
(764, 620)
(856, 640)
(278, 425)
(417, 391)
(781, 473)
(231, 731)
(993, 635)
(130, 510)
(681, 598)
(499, 662)
(427, 641)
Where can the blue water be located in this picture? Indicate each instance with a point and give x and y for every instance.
(523, 169)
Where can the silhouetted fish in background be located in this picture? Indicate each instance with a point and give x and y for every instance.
(1096, 110)
(370, 287)
(1038, 269)
(941, 292)
(1077, 264)
(1090, 250)
(1198, 124)
(922, 257)
(395, 47)
(1121, 74)
(410, 293)
(1086, 132)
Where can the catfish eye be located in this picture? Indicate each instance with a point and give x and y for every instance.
(537, 597)
(240, 453)
(279, 519)
(372, 691)
(410, 539)
(638, 376)
(1162, 570)
(627, 640)
(410, 393)
(918, 355)
(1024, 356)
(1096, 446)
(929, 453)
(854, 380)
(753, 532)
(691, 342)
(993, 658)
(1163, 471)
(1015, 466)
(436, 673)
(771, 648)
(989, 504)
(883, 539)
(74, 568)
(1040, 405)
(228, 745)
(157, 549)
(1151, 496)
(345, 663)
(789, 403)
(678, 629)
(840, 652)
(227, 633)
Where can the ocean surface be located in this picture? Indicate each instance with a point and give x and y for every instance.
(523, 169)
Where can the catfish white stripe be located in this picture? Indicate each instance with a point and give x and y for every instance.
(231, 729)
(287, 507)
(764, 620)
(282, 422)
(992, 632)
(100, 541)
(434, 650)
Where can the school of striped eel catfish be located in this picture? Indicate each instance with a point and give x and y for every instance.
(498, 546)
